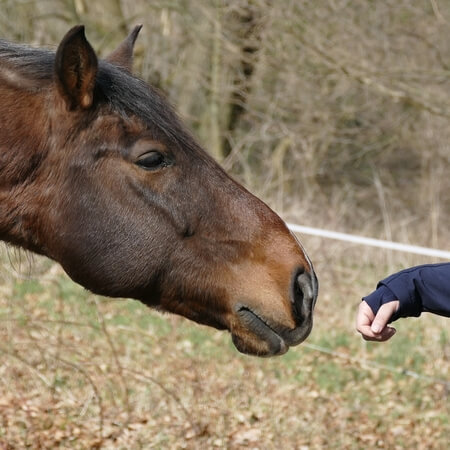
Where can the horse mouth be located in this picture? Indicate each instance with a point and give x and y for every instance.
(262, 338)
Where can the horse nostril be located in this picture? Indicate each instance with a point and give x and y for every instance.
(304, 293)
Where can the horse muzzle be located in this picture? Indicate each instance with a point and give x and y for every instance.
(259, 335)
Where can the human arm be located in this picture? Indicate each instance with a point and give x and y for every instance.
(404, 294)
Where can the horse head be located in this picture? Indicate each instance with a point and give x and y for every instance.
(100, 175)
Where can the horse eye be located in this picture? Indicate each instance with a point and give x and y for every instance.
(152, 160)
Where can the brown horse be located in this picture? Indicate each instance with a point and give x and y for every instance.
(97, 173)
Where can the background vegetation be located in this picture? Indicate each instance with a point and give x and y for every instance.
(337, 114)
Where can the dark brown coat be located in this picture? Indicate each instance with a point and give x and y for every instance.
(97, 173)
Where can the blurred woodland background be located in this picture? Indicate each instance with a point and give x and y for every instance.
(337, 114)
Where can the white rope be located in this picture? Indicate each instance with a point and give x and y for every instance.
(370, 241)
(382, 244)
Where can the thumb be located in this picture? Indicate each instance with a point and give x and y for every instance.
(383, 315)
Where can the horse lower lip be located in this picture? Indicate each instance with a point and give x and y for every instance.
(262, 330)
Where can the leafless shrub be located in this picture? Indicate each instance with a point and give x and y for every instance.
(313, 105)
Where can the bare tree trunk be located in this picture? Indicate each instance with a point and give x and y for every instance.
(249, 29)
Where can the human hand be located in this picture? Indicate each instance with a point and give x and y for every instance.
(374, 327)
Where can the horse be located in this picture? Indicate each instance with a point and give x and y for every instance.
(99, 174)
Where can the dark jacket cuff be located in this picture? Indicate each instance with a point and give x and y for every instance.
(379, 297)
(404, 289)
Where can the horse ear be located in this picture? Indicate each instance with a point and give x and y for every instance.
(76, 69)
(122, 56)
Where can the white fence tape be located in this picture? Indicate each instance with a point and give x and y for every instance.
(370, 241)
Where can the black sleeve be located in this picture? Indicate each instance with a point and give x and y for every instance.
(419, 289)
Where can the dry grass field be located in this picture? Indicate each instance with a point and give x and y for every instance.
(336, 113)
(79, 371)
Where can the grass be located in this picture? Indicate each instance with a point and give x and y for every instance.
(79, 371)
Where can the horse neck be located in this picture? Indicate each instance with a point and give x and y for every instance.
(22, 151)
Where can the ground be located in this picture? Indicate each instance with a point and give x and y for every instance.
(80, 371)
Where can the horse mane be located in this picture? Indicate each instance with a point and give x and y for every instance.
(31, 63)
(124, 92)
